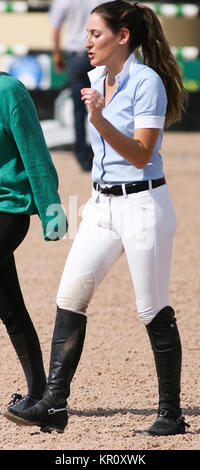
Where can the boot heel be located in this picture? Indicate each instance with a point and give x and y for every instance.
(57, 420)
(182, 424)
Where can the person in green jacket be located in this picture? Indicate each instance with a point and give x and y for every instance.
(28, 185)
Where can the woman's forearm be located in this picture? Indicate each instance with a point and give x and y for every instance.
(56, 40)
(136, 150)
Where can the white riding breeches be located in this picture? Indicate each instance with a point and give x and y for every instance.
(142, 225)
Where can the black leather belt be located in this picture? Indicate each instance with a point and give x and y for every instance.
(136, 187)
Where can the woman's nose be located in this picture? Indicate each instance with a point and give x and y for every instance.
(88, 42)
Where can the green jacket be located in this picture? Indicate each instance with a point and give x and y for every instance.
(28, 178)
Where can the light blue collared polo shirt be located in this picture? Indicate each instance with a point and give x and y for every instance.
(139, 101)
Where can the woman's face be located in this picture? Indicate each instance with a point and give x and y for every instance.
(101, 42)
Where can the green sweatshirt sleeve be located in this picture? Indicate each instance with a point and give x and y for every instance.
(42, 175)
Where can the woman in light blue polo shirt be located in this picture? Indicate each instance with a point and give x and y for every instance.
(130, 208)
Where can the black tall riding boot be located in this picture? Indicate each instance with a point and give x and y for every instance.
(165, 341)
(25, 341)
(27, 347)
(67, 344)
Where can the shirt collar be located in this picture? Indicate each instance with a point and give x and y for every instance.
(101, 70)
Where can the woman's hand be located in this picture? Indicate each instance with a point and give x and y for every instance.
(59, 62)
(95, 103)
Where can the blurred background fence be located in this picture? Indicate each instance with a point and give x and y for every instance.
(25, 51)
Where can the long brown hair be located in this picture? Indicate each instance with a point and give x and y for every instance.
(147, 35)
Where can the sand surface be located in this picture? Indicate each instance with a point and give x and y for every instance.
(114, 392)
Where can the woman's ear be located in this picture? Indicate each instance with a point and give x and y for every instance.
(124, 36)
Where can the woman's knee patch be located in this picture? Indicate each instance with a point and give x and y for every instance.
(76, 295)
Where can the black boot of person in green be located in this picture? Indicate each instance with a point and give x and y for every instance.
(27, 347)
(50, 413)
(165, 341)
(23, 336)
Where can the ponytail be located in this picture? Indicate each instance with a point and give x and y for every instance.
(147, 36)
(158, 55)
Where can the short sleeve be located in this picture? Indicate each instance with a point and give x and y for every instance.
(58, 12)
(150, 103)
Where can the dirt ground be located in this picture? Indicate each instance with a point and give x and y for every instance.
(114, 392)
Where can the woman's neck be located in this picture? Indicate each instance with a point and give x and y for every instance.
(115, 68)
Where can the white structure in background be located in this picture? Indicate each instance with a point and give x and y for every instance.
(60, 130)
